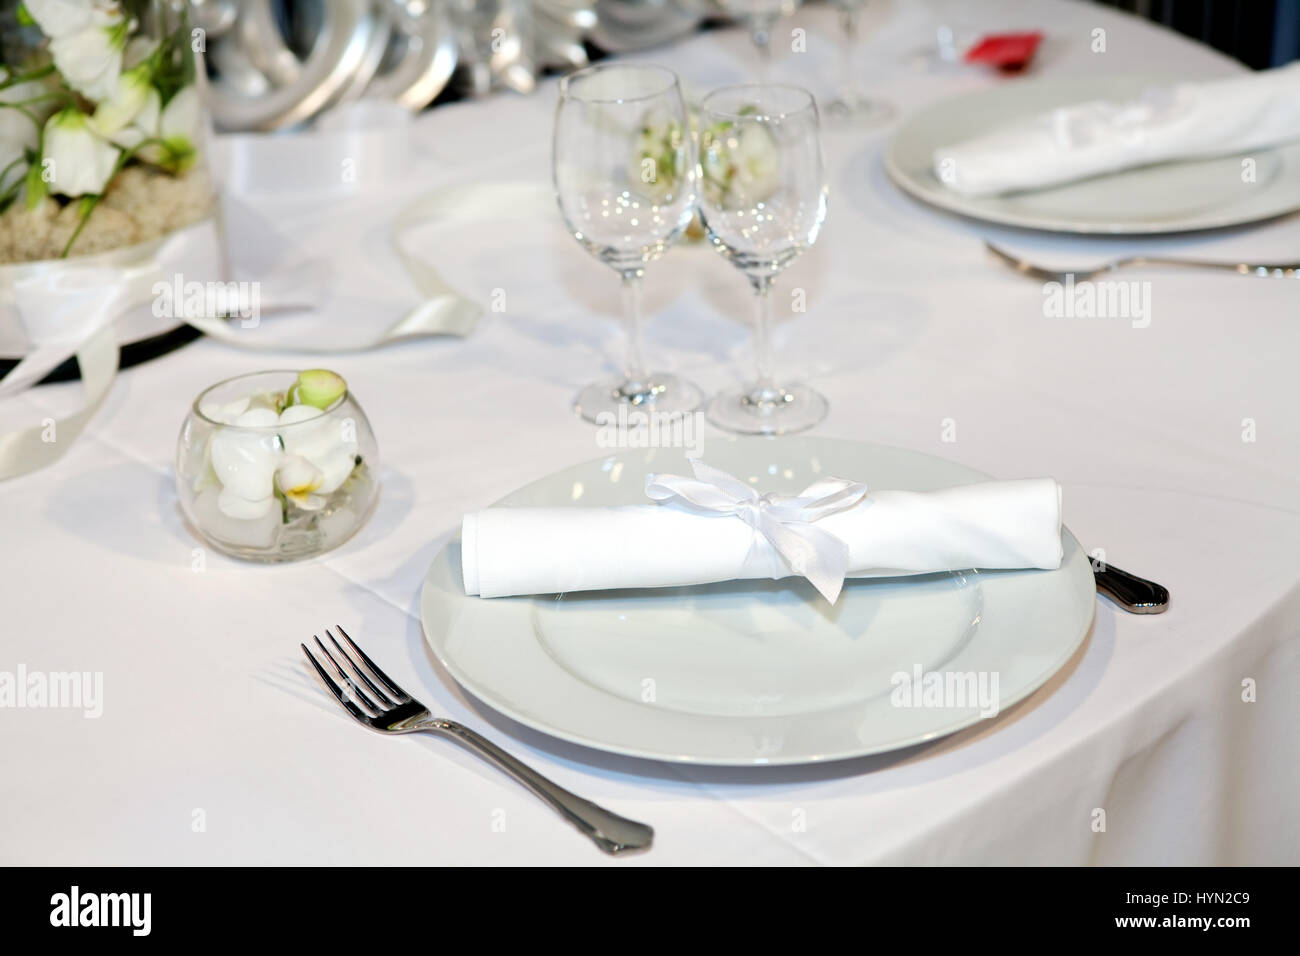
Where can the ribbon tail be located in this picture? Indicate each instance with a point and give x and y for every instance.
(812, 553)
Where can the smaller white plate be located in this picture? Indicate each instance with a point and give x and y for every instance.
(1162, 198)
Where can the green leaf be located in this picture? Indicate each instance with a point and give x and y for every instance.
(37, 189)
(25, 19)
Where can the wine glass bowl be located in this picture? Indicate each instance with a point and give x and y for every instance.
(762, 184)
(624, 173)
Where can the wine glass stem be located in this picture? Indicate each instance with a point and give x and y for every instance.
(761, 33)
(763, 333)
(634, 368)
(848, 45)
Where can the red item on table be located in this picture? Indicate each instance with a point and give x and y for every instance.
(1006, 51)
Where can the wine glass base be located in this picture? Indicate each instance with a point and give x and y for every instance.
(863, 112)
(767, 411)
(935, 60)
(623, 403)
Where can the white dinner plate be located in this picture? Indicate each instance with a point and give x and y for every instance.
(1161, 198)
(757, 672)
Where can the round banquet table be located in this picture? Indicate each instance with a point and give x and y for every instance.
(1177, 445)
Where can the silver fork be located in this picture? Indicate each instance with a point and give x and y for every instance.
(1276, 271)
(383, 706)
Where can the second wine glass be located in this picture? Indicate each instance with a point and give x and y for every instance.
(760, 18)
(763, 202)
(626, 181)
(851, 105)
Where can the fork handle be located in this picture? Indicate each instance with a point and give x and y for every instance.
(1286, 270)
(609, 831)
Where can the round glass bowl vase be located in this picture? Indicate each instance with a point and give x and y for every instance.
(265, 481)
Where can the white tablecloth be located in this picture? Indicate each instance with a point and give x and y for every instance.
(216, 746)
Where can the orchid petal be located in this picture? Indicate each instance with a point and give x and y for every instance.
(91, 59)
(79, 161)
(245, 461)
(233, 506)
(60, 18)
(129, 97)
(327, 441)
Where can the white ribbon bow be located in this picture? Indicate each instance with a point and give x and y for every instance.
(787, 522)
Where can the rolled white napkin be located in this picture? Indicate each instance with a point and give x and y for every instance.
(1185, 121)
(716, 528)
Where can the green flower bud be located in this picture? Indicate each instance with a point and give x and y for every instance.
(317, 387)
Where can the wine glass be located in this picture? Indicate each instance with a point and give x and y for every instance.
(763, 202)
(950, 33)
(760, 17)
(626, 181)
(851, 105)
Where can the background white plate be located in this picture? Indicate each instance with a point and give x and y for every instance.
(1167, 197)
(759, 672)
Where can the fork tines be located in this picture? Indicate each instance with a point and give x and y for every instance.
(348, 678)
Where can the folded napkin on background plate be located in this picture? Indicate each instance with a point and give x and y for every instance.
(714, 527)
(1006, 51)
(1184, 121)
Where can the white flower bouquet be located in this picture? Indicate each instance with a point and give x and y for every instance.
(101, 124)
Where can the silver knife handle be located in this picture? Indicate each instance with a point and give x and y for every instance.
(1134, 594)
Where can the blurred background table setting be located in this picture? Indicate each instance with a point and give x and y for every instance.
(664, 396)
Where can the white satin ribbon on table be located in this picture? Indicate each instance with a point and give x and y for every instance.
(443, 310)
(67, 308)
(368, 145)
(786, 521)
(450, 206)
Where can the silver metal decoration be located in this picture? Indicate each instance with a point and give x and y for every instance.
(277, 63)
(397, 49)
(626, 25)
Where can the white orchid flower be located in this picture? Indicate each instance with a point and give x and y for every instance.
(80, 162)
(298, 478)
(129, 98)
(327, 442)
(61, 18)
(91, 59)
(244, 459)
(303, 452)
